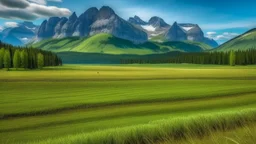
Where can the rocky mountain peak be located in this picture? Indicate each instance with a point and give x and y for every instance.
(73, 17)
(175, 25)
(157, 22)
(195, 29)
(105, 12)
(90, 12)
(85, 21)
(176, 33)
(137, 17)
(136, 20)
(53, 20)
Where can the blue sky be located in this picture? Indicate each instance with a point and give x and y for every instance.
(219, 19)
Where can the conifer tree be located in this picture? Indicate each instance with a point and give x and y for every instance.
(16, 59)
(232, 58)
(24, 59)
(40, 61)
(1, 58)
(7, 59)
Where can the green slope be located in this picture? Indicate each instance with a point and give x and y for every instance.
(108, 44)
(243, 42)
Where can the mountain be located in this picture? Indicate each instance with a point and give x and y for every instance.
(158, 30)
(195, 33)
(85, 21)
(191, 32)
(109, 44)
(210, 42)
(157, 22)
(47, 28)
(176, 33)
(20, 35)
(137, 21)
(243, 42)
(90, 23)
(154, 27)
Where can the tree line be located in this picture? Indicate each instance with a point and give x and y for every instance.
(220, 58)
(27, 58)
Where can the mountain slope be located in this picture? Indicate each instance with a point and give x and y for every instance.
(108, 44)
(243, 42)
(136, 20)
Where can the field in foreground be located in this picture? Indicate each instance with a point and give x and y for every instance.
(70, 101)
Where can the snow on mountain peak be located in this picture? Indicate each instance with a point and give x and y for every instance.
(149, 28)
(187, 28)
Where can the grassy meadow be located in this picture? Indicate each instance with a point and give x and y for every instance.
(127, 104)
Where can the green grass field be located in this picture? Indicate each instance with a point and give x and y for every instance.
(125, 103)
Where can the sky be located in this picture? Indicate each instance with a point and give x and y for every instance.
(219, 19)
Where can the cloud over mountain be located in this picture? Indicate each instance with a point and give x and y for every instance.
(30, 9)
(221, 37)
(10, 24)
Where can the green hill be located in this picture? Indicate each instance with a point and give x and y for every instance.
(108, 44)
(243, 42)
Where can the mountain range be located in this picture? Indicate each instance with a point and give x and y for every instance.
(91, 22)
(105, 20)
(19, 35)
(157, 29)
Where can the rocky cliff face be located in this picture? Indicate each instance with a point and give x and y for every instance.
(70, 26)
(91, 22)
(47, 28)
(157, 22)
(191, 32)
(176, 33)
(137, 21)
(59, 26)
(85, 21)
(108, 22)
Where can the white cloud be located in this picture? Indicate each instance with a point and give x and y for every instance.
(31, 10)
(55, 0)
(43, 2)
(1, 28)
(211, 33)
(24, 39)
(221, 37)
(11, 24)
(42, 10)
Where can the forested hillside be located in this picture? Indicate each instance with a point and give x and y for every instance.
(27, 58)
